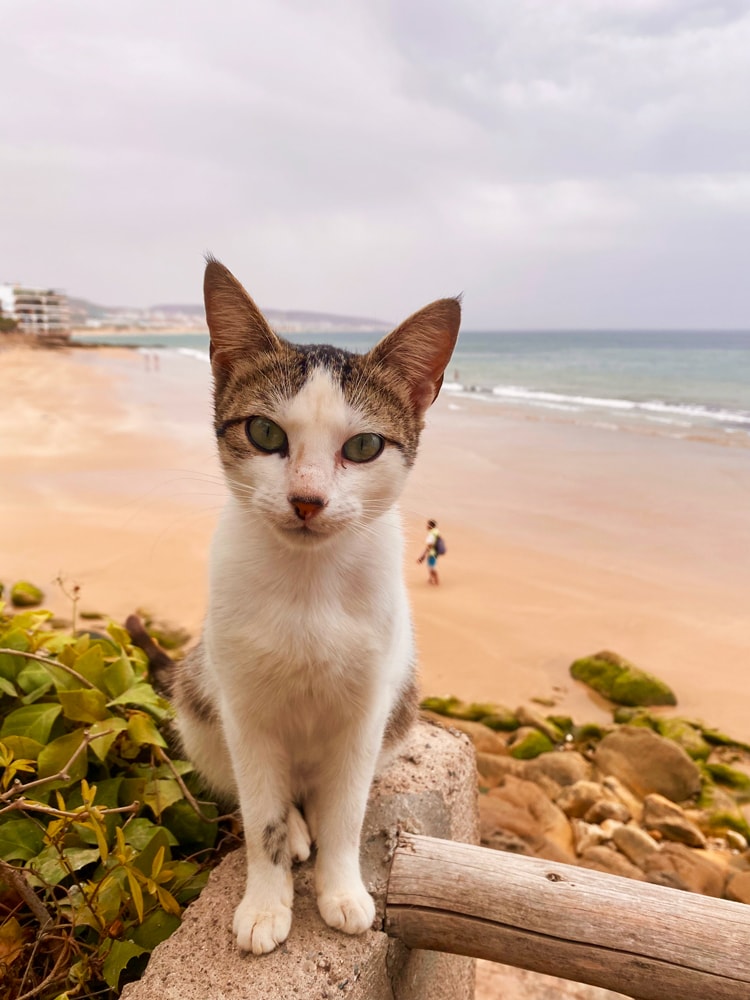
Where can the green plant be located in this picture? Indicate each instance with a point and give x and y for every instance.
(102, 838)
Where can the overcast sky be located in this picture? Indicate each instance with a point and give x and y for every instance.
(563, 163)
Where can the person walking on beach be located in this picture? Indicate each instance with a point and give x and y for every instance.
(431, 552)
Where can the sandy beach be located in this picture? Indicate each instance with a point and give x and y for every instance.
(562, 539)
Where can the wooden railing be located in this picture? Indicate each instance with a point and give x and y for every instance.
(646, 941)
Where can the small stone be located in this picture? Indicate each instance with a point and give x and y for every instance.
(634, 843)
(576, 800)
(586, 835)
(660, 814)
(606, 809)
(735, 840)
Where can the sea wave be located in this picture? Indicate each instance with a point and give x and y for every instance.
(654, 408)
(192, 352)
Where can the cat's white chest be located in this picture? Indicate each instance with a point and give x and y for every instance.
(296, 625)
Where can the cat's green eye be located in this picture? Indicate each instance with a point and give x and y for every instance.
(265, 434)
(363, 447)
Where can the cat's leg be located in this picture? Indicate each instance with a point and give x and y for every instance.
(300, 838)
(340, 804)
(264, 916)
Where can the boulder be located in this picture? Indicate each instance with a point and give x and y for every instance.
(25, 595)
(607, 859)
(646, 763)
(681, 867)
(520, 808)
(619, 680)
(484, 739)
(663, 816)
(493, 768)
(565, 768)
(527, 743)
(738, 887)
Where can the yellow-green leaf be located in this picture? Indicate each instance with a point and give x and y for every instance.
(142, 729)
(106, 731)
(91, 665)
(55, 757)
(32, 721)
(83, 705)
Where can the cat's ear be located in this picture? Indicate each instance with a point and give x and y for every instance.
(236, 325)
(418, 350)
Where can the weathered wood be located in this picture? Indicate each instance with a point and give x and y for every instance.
(646, 941)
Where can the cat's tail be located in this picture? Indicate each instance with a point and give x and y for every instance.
(161, 667)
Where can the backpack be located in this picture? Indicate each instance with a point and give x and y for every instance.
(440, 546)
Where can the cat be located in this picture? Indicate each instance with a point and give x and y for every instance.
(303, 681)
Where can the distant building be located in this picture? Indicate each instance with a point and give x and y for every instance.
(42, 311)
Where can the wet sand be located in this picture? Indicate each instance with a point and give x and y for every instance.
(562, 539)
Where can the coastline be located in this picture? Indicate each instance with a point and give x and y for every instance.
(562, 539)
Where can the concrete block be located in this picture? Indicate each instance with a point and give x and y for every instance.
(429, 789)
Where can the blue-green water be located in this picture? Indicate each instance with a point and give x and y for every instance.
(671, 382)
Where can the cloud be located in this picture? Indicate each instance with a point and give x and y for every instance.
(551, 160)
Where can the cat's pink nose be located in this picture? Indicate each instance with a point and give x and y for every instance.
(306, 507)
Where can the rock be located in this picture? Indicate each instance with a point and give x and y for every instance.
(527, 717)
(518, 807)
(606, 809)
(607, 859)
(493, 768)
(527, 743)
(25, 595)
(586, 835)
(576, 800)
(620, 793)
(686, 735)
(647, 763)
(620, 681)
(681, 867)
(482, 737)
(501, 720)
(735, 840)
(563, 767)
(738, 887)
(662, 815)
(731, 777)
(635, 844)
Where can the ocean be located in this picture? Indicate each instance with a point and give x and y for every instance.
(680, 384)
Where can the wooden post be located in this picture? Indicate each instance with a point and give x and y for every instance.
(646, 941)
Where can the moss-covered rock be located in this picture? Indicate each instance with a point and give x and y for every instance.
(502, 720)
(625, 715)
(530, 745)
(25, 595)
(723, 774)
(442, 706)
(686, 734)
(620, 681)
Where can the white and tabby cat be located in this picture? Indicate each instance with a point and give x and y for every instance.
(304, 677)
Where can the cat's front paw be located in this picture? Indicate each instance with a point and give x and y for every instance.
(260, 931)
(352, 912)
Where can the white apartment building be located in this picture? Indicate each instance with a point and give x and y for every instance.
(38, 310)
